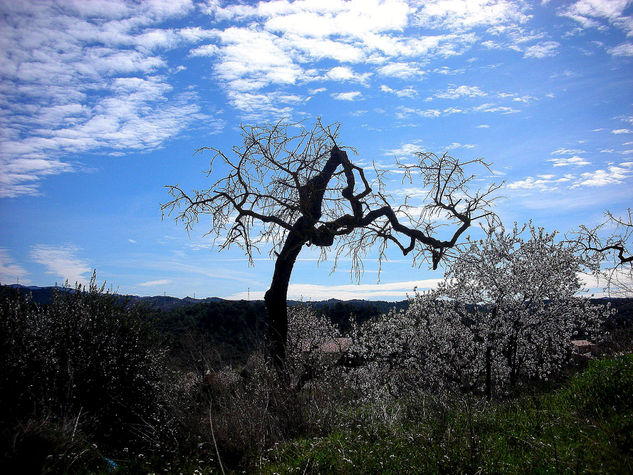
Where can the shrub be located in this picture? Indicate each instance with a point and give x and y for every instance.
(87, 358)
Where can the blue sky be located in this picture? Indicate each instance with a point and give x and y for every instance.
(103, 103)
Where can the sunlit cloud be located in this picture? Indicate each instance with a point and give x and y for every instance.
(612, 175)
(597, 13)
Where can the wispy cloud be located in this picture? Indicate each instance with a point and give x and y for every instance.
(62, 262)
(282, 44)
(567, 161)
(10, 271)
(598, 13)
(542, 183)
(155, 283)
(406, 150)
(614, 174)
(347, 96)
(345, 73)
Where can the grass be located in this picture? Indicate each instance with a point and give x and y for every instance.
(584, 427)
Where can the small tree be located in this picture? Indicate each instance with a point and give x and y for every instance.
(295, 187)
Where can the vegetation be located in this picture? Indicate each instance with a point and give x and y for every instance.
(583, 427)
(293, 187)
(478, 377)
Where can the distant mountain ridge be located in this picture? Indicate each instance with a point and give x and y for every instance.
(44, 296)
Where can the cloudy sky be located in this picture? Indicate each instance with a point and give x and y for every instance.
(103, 102)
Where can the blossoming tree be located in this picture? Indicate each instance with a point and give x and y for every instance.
(507, 309)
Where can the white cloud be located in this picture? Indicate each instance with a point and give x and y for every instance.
(542, 50)
(344, 73)
(567, 151)
(62, 262)
(594, 13)
(205, 50)
(624, 49)
(10, 272)
(445, 70)
(277, 43)
(461, 91)
(406, 92)
(455, 145)
(347, 96)
(466, 14)
(389, 291)
(612, 175)
(622, 131)
(563, 162)
(83, 76)
(406, 150)
(400, 70)
(154, 283)
(541, 183)
(494, 108)
(405, 112)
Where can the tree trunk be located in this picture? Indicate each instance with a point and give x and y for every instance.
(276, 299)
(489, 373)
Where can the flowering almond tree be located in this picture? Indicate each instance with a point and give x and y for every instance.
(529, 309)
(290, 187)
(508, 308)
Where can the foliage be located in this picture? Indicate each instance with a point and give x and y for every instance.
(551, 432)
(308, 334)
(86, 358)
(507, 311)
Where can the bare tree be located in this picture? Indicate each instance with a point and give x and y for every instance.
(290, 187)
(609, 246)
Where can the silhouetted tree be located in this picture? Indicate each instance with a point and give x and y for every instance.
(291, 187)
(609, 246)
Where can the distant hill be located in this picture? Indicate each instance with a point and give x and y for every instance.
(44, 296)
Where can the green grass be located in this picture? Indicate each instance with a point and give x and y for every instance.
(584, 427)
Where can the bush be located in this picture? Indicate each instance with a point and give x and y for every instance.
(604, 388)
(86, 358)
